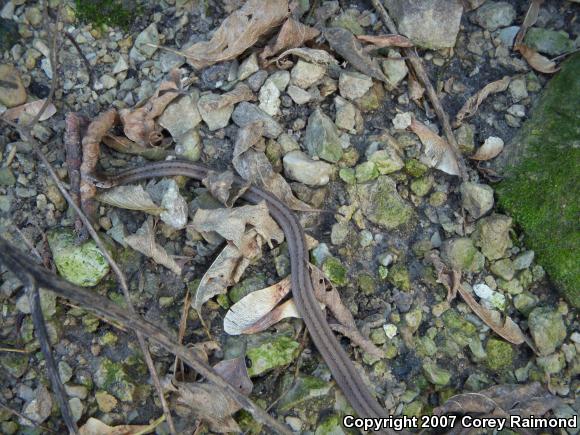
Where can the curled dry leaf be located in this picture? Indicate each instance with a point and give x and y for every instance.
(236, 373)
(241, 92)
(537, 61)
(132, 197)
(227, 268)
(472, 104)
(139, 123)
(238, 32)
(91, 150)
(508, 330)
(490, 149)
(349, 48)
(243, 316)
(292, 34)
(437, 152)
(416, 89)
(254, 167)
(144, 242)
(127, 146)
(529, 21)
(30, 110)
(94, 426)
(221, 186)
(382, 41)
(312, 55)
(231, 223)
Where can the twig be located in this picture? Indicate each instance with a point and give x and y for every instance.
(45, 347)
(88, 66)
(417, 65)
(27, 270)
(25, 133)
(72, 148)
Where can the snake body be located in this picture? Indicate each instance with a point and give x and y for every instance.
(340, 365)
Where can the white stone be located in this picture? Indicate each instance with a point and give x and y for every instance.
(299, 95)
(305, 74)
(121, 65)
(269, 98)
(353, 85)
(390, 330)
(402, 120)
(298, 166)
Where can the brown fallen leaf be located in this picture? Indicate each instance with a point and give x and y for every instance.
(132, 197)
(501, 401)
(472, 104)
(490, 149)
(537, 61)
(437, 152)
(139, 123)
(30, 110)
(144, 242)
(238, 32)
(292, 34)
(94, 426)
(228, 267)
(91, 150)
(253, 166)
(529, 21)
(231, 223)
(508, 330)
(416, 89)
(207, 403)
(349, 48)
(126, 146)
(382, 41)
(222, 187)
(235, 372)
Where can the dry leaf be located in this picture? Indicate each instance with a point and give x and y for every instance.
(238, 32)
(529, 20)
(254, 166)
(292, 34)
(537, 61)
(30, 110)
(244, 314)
(382, 41)
(91, 150)
(490, 149)
(241, 92)
(501, 401)
(349, 48)
(144, 242)
(416, 90)
(231, 223)
(123, 145)
(139, 123)
(312, 55)
(472, 104)
(235, 372)
(509, 330)
(208, 403)
(227, 268)
(94, 426)
(132, 197)
(437, 152)
(222, 187)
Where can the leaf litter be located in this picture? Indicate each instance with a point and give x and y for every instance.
(472, 104)
(292, 34)
(437, 152)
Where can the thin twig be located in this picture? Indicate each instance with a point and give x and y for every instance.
(417, 65)
(46, 348)
(27, 270)
(88, 66)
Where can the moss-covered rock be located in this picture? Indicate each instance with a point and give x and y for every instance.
(547, 329)
(335, 271)
(116, 13)
(276, 351)
(492, 236)
(304, 389)
(541, 184)
(366, 171)
(435, 374)
(367, 283)
(113, 378)
(381, 203)
(82, 264)
(461, 254)
(399, 277)
(500, 354)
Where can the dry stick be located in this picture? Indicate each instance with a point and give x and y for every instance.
(87, 224)
(46, 348)
(27, 270)
(76, 45)
(417, 66)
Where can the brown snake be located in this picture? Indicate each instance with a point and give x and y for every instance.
(341, 367)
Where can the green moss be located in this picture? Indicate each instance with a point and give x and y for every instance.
(399, 277)
(335, 271)
(115, 13)
(499, 354)
(541, 190)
